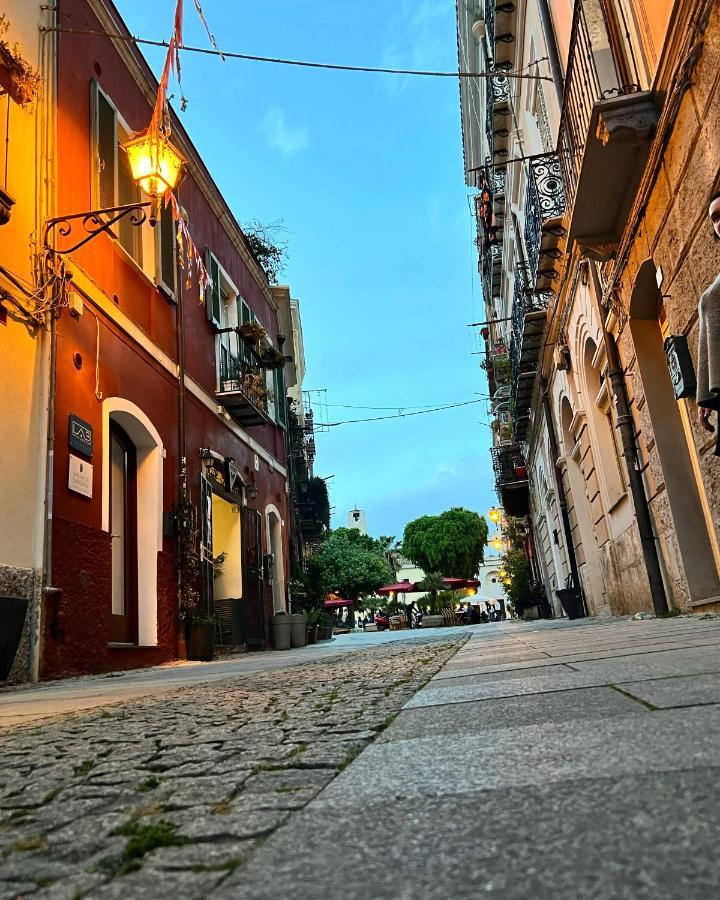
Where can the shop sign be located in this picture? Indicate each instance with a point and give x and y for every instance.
(680, 366)
(80, 477)
(80, 436)
(234, 479)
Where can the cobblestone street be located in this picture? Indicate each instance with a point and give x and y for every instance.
(165, 797)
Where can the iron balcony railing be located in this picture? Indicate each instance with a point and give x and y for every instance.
(508, 464)
(545, 200)
(497, 104)
(528, 329)
(597, 70)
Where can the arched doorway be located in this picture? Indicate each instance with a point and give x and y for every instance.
(275, 547)
(133, 470)
(693, 529)
(123, 537)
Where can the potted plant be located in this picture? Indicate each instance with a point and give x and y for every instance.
(200, 637)
(311, 625)
(324, 626)
(253, 331)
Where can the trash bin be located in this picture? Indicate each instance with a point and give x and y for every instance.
(571, 602)
(298, 629)
(282, 630)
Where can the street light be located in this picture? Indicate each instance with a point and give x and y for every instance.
(495, 515)
(154, 162)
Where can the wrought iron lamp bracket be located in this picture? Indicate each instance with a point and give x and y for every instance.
(91, 223)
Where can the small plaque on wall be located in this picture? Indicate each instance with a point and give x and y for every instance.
(80, 477)
(680, 366)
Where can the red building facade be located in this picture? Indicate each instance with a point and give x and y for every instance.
(155, 389)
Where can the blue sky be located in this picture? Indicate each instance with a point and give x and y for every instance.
(366, 172)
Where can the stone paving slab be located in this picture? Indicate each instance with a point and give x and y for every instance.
(505, 757)
(640, 836)
(689, 690)
(482, 716)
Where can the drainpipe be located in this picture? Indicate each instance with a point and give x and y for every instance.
(626, 427)
(552, 49)
(560, 489)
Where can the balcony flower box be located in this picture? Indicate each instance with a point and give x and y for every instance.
(521, 472)
(229, 384)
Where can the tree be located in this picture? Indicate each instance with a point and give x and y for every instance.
(270, 252)
(452, 543)
(349, 564)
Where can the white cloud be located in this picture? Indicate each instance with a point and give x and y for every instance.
(281, 135)
(416, 39)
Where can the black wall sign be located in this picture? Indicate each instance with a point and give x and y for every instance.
(234, 480)
(80, 436)
(680, 366)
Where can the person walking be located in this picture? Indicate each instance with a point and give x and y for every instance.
(708, 367)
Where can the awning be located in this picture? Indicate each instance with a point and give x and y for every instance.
(457, 584)
(402, 587)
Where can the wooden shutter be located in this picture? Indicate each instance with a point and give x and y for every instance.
(280, 397)
(166, 251)
(212, 294)
(104, 149)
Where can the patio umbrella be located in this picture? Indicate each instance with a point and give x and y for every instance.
(456, 584)
(402, 587)
(333, 601)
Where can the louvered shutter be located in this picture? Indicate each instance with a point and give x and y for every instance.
(166, 244)
(104, 149)
(280, 397)
(212, 294)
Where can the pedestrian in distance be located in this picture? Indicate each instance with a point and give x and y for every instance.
(708, 367)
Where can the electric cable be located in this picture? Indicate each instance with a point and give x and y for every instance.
(250, 57)
(401, 415)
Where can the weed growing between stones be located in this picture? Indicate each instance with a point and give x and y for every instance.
(150, 784)
(84, 767)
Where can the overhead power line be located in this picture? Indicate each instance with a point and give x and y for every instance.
(401, 415)
(398, 407)
(337, 67)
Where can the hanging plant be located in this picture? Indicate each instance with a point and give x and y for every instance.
(254, 332)
(17, 77)
(272, 359)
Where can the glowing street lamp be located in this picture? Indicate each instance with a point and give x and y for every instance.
(495, 515)
(496, 544)
(154, 162)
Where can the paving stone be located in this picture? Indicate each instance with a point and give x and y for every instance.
(640, 836)
(688, 690)
(481, 716)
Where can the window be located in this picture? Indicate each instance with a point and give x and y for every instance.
(153, 249)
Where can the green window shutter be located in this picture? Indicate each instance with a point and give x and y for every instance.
(245, 314)
(167, 245)
(280, 397)
(104, 149)
(212, 293)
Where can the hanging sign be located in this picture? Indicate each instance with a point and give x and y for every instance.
(215, 472)
(80, 436)
(680, 366)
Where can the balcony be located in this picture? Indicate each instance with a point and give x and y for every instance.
(499, 31)
(242, 387)
(607, 125)
(544, 220)
(511, 479)
(497, 117)
(528, 332)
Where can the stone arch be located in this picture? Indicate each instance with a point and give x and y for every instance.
(693, 527)
(149, 451)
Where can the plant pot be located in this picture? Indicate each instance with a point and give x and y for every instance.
(297, 638)
(571, 602)
(12, 619)
(282, 631)
(311, 634)
(531, 613)
(229, 384)
(520, 472)
(201, 641)
(433, 621)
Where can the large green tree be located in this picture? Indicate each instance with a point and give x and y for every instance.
(350, 564)
(452, 543)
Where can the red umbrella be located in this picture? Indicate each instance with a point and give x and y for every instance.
(456, 584)
(332, 601)
(402, 587)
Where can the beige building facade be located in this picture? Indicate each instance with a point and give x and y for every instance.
(594, 249)
(26, 201)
